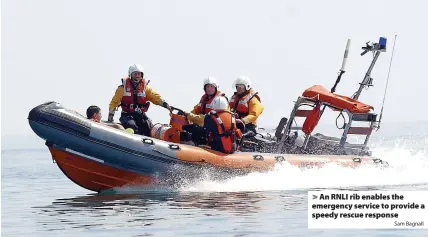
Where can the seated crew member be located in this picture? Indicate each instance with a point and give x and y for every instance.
(220, 128)
(134, 97)
(94, 113)
(246, 104)
(205, 105)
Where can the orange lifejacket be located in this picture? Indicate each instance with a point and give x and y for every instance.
(205, 104)
(239, 103)
(226, 130)
(133, 97)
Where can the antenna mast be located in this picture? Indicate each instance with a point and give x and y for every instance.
(376, 48)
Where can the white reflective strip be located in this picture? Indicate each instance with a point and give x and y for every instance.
(141, 93)
(243, 103)
(219, 121)
(127, 94)
(211, 105)
(248, 97)
(86, 156)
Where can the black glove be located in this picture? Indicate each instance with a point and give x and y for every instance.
(146, 106)
(110, 117)
(166, 106)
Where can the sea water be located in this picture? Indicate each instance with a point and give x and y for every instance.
(38, 200)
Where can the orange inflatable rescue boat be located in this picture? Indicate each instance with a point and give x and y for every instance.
(98, 157)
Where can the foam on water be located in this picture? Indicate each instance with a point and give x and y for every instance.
(406, 168)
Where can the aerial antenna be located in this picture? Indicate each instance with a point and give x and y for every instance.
(387, 80)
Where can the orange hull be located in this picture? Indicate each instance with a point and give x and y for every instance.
(262, 162)
(98, 177)
(93, 175)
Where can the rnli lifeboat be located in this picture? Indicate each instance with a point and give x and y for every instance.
(98, 157)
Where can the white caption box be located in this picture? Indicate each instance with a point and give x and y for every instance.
(331, 209)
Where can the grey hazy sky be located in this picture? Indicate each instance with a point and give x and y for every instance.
(75, 52)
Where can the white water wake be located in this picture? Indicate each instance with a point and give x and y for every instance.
(405, 168)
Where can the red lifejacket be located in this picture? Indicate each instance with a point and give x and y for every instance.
(239, 103)
(133, 97)
(206, 105)
(226, 130)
